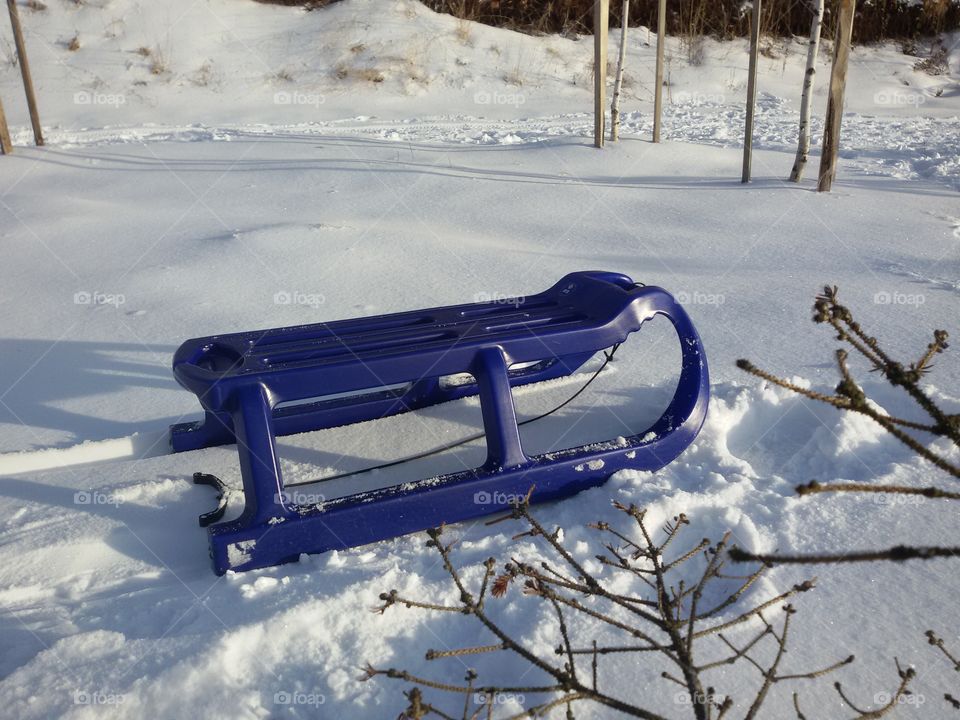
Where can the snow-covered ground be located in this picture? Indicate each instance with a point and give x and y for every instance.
(374, 157)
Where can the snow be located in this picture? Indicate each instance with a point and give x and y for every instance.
(208, 201)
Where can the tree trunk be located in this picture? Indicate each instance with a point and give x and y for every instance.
(6, 147)
(806, 101)
(658, 80)
(618, 83)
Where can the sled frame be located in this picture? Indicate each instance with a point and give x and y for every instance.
(370, 368)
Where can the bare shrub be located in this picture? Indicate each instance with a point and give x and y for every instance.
(674, 626)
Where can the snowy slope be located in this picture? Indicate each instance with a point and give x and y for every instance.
(229, 61)
(191, 206)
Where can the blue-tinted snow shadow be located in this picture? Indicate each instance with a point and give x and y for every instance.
(42, 376)
(166, 538)
(326, 153)
(399, 160)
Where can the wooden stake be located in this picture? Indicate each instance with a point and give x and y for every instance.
(658, 79)
(25, 70)
(601, 18)
(6, 147)
(751, 91)
(838, 83)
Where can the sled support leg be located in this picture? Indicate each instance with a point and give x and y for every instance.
(499, 413)
(259, 463)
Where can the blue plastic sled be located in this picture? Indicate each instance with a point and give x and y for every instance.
(380, 366)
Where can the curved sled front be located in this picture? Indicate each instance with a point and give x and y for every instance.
(374, 367)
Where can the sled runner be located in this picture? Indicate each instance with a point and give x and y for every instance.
(369, 368)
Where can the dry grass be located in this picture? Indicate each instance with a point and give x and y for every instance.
(514, 77)
(342, 71)
(8, 55)
(462, 32)
(935, 61)
(157, 59)
(305, 4)
(158, 62)
(74, 43)
(771, 49)
(695, 47)
(370, 75)
(205, 75)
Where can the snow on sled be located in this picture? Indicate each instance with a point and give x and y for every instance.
(374, 367)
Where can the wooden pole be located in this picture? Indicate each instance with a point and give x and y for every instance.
(6, 147)
(751, 91)
(658, 79)
(25, 70)
(838, 83)
(601, 19)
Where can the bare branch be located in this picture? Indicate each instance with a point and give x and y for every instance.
(815, 487)
(937, 642)
(898, 553)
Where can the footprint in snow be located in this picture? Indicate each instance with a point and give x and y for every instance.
(920, 276)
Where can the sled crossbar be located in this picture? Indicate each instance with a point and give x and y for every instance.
(369, 368)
